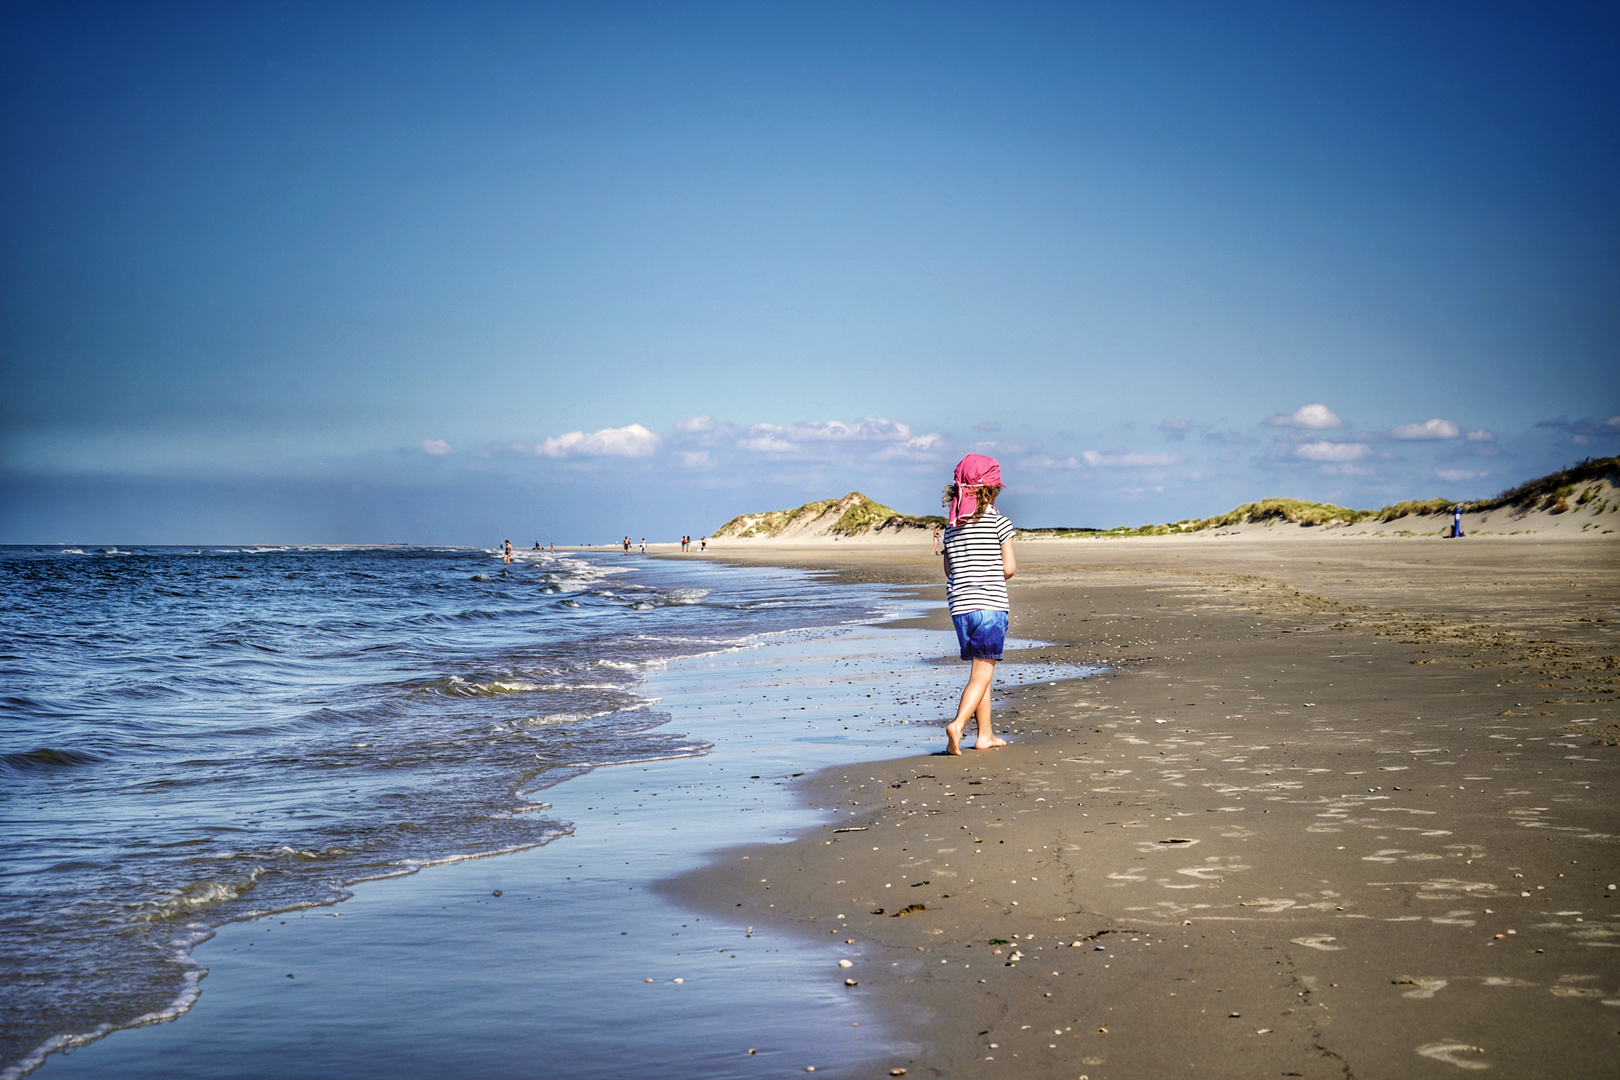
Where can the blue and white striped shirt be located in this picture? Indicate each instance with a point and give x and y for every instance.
(974, 579)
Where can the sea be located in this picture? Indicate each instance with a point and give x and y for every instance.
(197, 736)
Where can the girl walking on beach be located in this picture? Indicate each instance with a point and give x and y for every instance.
(978, 561)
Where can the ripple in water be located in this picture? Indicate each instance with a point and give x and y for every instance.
(194, 736)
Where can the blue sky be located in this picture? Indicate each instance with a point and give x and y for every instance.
(459, 272)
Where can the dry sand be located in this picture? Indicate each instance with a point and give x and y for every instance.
(1343, 808)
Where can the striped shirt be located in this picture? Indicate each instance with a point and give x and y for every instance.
(974, 580)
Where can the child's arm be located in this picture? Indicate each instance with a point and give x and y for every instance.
(1009, 562)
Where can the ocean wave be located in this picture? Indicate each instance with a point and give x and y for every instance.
(413, 865)
(552, 719)
(283, 852)
(456, 686)
(187, 900)
(582, 686)
(685, 597)
(47, 757)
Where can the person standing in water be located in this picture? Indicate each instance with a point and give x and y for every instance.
(978, 561)
(506, 552)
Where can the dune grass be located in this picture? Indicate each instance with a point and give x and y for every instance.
(857, 516)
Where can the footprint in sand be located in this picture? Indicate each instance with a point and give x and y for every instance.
(1426, 987)
(1566, 987)
(1267, 905)
(1318, 941)
(1450, 1051)
(1215, 867)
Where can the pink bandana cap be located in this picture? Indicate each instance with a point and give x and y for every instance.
(973, 471)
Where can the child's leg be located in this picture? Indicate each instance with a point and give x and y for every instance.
(987, 738)
(975, 702)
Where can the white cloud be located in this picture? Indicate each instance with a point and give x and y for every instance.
(1046, 462)
(1314, 417)
(696, 425)
(1481, 435)
(818, 437)
(1331, 451)
(922, 448)
(1128, 461)
(435, 447)
(1458, 475)
(697, 459)
(631, 441)
(1429, 429)
(766, 443)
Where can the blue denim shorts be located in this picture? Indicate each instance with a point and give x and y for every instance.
(982, 634)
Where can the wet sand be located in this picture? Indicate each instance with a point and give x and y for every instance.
(568, 959)
(1341, 808)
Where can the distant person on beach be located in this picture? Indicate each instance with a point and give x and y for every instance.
(978, 561)
(937, 533)
(1456, 522)
(506, 552)
(644, 545)
(703, 544)
(537, 545)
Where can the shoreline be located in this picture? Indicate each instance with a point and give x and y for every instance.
(1331, 882)
(1168, 624)
(570, 949)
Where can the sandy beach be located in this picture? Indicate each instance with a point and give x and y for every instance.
(1340, 807)
(1324, 807)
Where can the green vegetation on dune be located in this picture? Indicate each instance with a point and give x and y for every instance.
(1266, 511)
(863, 515)
(772, 522)
(857, 516)
(1552, 492)
(1415, 506)
(1578, 486)
(1295, 511)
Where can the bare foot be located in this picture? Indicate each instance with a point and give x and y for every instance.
(953, 737)
(989, 744)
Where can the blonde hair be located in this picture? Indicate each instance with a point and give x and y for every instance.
(982, 497)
